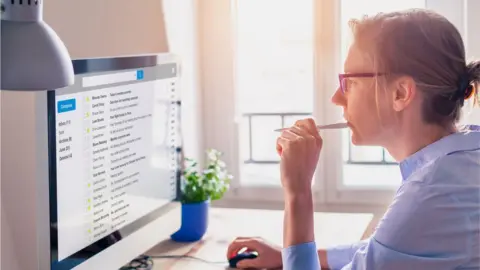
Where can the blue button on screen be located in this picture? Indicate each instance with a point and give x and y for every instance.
(139, 74)
(66, 105)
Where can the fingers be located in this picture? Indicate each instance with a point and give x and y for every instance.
(282, 144)
(239, 244)
(293, 134)
(303, 129)
(309, 125)
(249, 263)
(285, 137)
(279, 147)
(300, 131)
(314, 135)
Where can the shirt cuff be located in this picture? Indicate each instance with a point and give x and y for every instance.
(303, 256)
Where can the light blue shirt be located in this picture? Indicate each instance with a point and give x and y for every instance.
(433, 222)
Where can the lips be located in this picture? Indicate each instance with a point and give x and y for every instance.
(348, 122)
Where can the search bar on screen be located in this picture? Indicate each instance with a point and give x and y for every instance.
(121, 77)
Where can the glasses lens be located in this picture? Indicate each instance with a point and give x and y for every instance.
(343, 85)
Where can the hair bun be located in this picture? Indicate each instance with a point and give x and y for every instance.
(473, 75)
(469, 91)
(473, 72)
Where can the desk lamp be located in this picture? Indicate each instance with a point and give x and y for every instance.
(33, 57)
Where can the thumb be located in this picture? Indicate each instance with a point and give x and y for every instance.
(279, 148)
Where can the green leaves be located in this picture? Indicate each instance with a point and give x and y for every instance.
(211, 183)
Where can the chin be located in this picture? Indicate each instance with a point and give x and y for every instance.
(359, 140)
(356, 140)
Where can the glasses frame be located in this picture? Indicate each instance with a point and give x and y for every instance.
(343, 76)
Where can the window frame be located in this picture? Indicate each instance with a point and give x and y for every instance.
(221, 120)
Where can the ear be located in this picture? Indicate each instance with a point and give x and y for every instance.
(404, 93)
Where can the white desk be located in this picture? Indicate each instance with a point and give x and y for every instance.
(226, 224)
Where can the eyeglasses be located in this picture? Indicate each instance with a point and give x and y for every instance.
(344, 82)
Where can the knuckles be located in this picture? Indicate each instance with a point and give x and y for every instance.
(309, 141)
(308, 122)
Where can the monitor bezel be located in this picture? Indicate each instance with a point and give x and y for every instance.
(91, 66)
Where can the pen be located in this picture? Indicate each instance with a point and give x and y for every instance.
(320, 127)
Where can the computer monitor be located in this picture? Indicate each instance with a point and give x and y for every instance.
(112, 143)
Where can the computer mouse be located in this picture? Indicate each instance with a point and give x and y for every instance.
(241, 256)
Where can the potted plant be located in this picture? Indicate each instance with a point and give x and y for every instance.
(199, 188)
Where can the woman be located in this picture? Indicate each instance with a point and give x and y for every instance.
(405, 82)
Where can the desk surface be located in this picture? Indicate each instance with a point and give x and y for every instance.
(226, 224)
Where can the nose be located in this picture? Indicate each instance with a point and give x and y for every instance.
(339, 98)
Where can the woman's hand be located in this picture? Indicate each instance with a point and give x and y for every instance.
(299, 148)
(269, 255)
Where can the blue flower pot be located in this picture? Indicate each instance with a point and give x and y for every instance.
(194, 222)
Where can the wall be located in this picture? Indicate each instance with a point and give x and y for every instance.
(473, 48)
(462, 13)
(217, 79)
(1, 210)
(183, 36)
(125, 27)
(463, 16)
(93, 28)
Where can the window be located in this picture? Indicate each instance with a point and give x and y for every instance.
(274, 83)
(271, 62)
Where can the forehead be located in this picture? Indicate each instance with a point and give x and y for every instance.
(357, 60)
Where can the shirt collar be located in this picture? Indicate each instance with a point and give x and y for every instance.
(465, 140)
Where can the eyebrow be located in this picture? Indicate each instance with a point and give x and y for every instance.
(355, 71)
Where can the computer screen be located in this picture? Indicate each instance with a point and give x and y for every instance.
(112, 149)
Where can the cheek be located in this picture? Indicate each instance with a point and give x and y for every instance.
(385, 108)
(365, 116)
(362, 107)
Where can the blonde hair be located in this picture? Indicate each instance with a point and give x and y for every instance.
(427, 47)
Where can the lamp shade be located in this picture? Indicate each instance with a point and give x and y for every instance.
(33, 56)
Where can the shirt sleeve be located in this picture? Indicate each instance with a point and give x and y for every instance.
(425, 228)
(377, 256)
(339, 256)
(303, 256)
